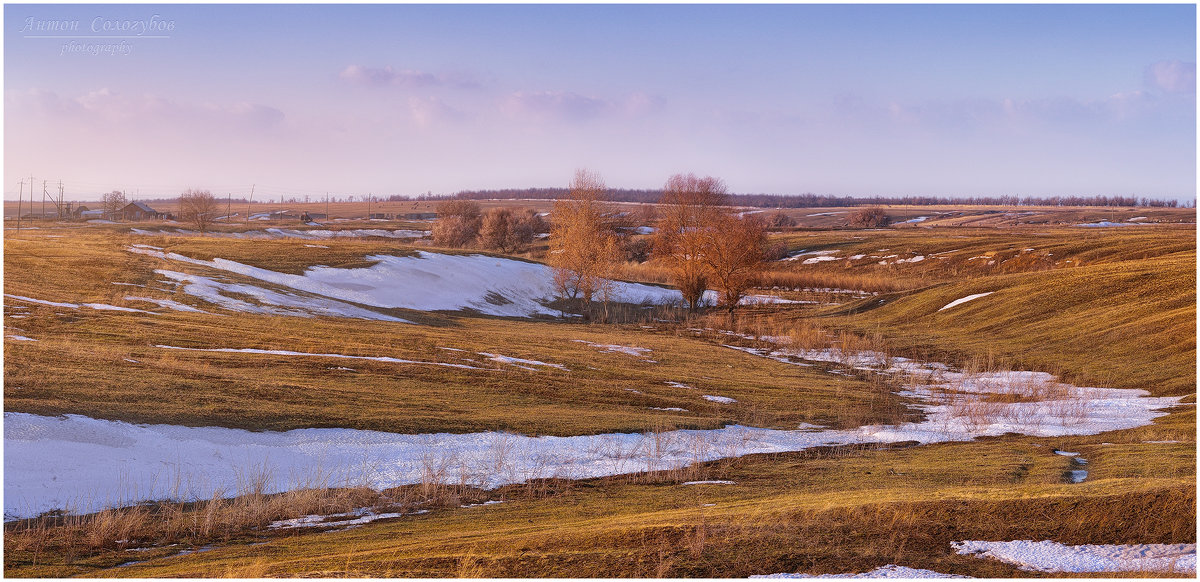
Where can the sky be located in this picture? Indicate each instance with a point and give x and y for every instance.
(860, 100)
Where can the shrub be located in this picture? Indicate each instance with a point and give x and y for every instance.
(779, 220)
(869, 217)
(458, 223)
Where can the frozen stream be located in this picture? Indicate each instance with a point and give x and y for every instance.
(83, 464)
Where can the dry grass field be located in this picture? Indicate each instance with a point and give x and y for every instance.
(1105, 307)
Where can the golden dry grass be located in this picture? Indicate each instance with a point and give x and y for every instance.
(1124, 317)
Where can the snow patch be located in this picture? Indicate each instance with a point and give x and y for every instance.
(1048, 556)
(888, 571)
(42, 301)
(106, 307)
(611, 348)
(519, 361)
(964, 300)
(360, 517)
(1107, 224)
(721, 399)
(309, 354)
(167, 303)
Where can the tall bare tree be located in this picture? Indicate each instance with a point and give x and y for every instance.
(113, 202)
(198, 207)
(689, 207)
(583, 244)
(733, 252)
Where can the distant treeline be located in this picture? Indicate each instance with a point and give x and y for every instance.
(815, 200)
(758, 200)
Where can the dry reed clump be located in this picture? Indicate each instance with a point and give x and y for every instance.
(445, 481)
(822, 279)
(165, 523)
(808, 336)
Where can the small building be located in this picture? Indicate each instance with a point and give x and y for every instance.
(86, 214)
(139, 211)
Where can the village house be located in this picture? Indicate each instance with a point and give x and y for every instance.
(139, 211)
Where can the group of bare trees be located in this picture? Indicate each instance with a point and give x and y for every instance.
(697, 240)
(703, 245)
(463, 224)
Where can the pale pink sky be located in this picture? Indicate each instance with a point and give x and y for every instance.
(857, 100)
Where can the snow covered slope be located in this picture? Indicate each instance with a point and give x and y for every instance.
(427, 282)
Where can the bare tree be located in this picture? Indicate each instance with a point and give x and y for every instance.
(583, 244)
(457, 224)
(733, 253)
(689, 206)
(198, 207)
(113, 202)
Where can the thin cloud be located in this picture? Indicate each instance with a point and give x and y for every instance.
(1172, 77)
(428, 111)
(391, 77)
(105, 107)
(570, 106)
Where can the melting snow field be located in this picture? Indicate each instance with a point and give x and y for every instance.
(84, 464)
(1048, 556)
(424, 282)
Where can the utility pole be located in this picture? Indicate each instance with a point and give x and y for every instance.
(327, 206)
(20, 195)
(228, 205)
(369, 197)
(43, 200)
(249, 201)
(59, 202)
